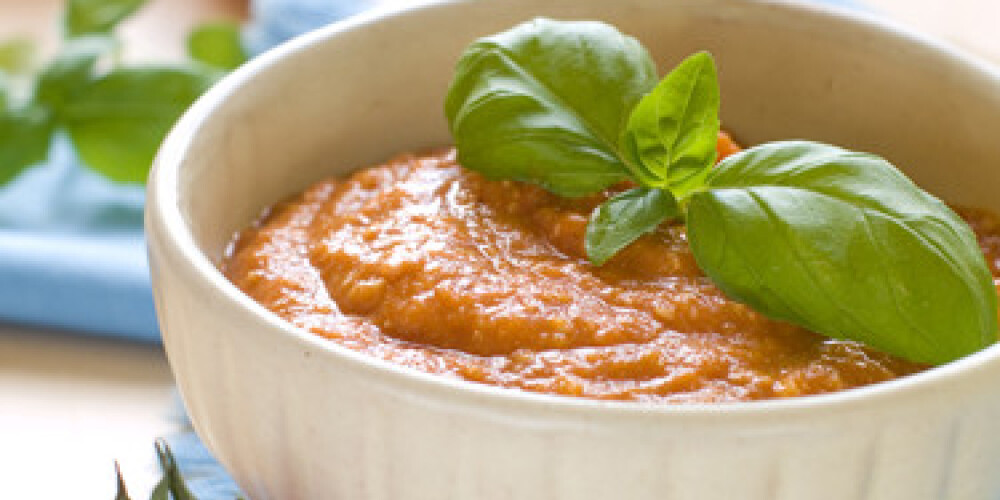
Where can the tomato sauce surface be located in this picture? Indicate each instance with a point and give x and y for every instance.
(425, 264)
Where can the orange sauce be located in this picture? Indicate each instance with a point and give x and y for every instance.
(423, 263)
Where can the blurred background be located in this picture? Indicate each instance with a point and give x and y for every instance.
(83, 380)
(156, 31)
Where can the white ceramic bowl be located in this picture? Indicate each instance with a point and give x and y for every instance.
(293, 416)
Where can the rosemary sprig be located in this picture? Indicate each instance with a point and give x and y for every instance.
(171, 487)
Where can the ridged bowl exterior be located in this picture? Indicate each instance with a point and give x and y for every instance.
(293, 416)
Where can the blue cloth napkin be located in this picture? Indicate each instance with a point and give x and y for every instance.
(275, 21)
(72, 254)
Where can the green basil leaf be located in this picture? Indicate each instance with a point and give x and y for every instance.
(624, 218)
(72, 69)
(4, 93)
(97, 16)
(24, 140)
(118, 121)
(218, 45)
(672, 133)
(17, 56)
(844, 244)
(546, 102)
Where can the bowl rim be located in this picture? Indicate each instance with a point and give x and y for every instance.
(163, 207)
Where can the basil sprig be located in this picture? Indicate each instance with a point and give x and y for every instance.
(115, 115)
(839, 242)
(171, 487)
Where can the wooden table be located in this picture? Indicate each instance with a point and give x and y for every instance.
(71, 405)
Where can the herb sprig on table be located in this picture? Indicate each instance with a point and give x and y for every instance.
(170, 487)
(836, 241)
(115, 115)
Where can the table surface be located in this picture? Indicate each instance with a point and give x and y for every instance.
(70, 406)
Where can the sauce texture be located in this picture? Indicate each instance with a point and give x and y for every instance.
(425, 264)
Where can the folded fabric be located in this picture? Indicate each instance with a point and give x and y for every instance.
(275, 21)
(72, 254)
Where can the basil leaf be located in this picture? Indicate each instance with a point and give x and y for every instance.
(118, 121)
(17, 56)
(546, 102)
(218, 45)
(624, 218)
(4, 93)
(672, 133)
(72, 69)
(844, 244)
(17, 60)
(97, 16)
(24, 140)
